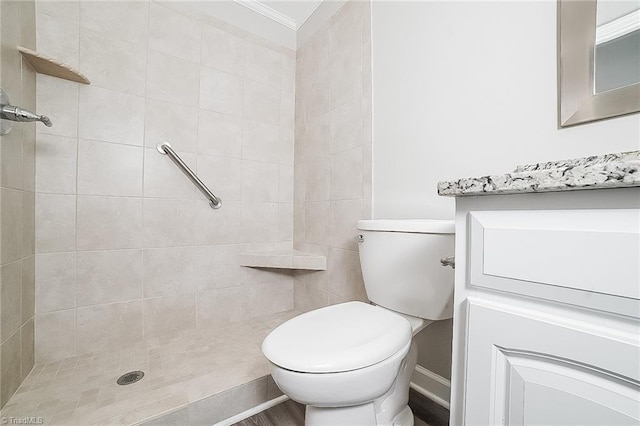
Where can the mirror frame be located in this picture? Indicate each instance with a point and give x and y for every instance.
(577, 102)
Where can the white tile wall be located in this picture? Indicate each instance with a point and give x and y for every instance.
(127, 247)
(333, 154)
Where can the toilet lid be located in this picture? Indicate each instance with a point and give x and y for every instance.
(337, 338)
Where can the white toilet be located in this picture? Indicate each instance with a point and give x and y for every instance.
(351, 363)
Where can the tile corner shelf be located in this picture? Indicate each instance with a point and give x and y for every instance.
(284, 259)
(46, 65)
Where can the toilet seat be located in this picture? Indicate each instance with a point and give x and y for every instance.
(338, 338)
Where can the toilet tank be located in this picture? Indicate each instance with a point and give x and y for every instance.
(401, 267)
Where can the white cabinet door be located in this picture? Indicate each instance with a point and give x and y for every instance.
(528, 368)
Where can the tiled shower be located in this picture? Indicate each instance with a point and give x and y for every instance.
(107, 247)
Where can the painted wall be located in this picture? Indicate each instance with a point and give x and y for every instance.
(467, 89)
(127, 248)
(333, 153)
(17, 200)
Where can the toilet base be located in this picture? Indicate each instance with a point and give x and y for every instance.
(359, 415)
(391, 409)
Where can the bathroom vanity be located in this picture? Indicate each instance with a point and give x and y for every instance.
(547, 294)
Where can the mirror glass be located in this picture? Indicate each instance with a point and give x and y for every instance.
(617, 44)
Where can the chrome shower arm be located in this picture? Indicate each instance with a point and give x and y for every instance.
(13, 113)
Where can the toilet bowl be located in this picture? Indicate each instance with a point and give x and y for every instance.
(351, 363)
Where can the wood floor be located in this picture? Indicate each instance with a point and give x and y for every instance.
(290, 413)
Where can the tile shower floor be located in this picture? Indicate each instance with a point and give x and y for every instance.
(179, 370)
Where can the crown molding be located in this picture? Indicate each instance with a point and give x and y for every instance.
(268, 12)
(618, 27)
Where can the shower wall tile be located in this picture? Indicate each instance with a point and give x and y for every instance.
(10, 225)
(109, 169)
(344, 213)
(172, 79)
(219, 134)
(55, 223)
(162, 179)
(285, 148)
(59, 98)
(56, 164)
(222, 175)
(317, 183)
(222, 306)
(285, 184)
(287, 109)
(126, 244)
(346, 126)
(102, 116)
(11, 164)
(118, 325)
(173, 33)
(168, 223)
(221, 92)
(345, 276)
(10, 294)
(55, 336)
(263, 65)
(168, 122)
(288, 76)
(173, 271)
(260, 141)
(17, 201)
(27, 336)
(125, 69)
(285, 220)
(259, 222)
(222, 50)
(317, 219)
(58, 30)
(261, 103)
(333, 154)
(259, 181)
(166, 316)
(28, 288)
(10, 360)
(109, 223)
(29, 154)
(55, 282)
(108, 276)
(223, 226)
(222, 265)
(124, 20)
(347, 174)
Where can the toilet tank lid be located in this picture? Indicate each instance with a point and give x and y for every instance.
(419, 226)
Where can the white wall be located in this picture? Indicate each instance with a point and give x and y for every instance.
(465, 89)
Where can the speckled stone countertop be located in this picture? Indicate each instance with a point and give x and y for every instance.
(602, 171)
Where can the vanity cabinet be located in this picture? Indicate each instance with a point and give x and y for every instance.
(547, 309)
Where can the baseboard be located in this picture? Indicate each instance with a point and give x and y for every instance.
(431, 385)
(250, 412)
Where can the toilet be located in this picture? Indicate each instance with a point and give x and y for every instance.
(351, 363)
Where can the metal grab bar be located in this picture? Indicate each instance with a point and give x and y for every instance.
(165, 149)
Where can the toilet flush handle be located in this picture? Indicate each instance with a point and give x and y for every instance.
(449, 261)
(360, 238)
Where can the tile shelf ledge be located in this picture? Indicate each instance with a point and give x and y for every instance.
(46, 65)
(284, 259)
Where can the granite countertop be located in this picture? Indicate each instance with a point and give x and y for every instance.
(596, 172)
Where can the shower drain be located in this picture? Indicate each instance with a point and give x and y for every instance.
(131, 377)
